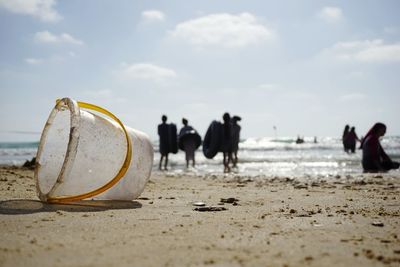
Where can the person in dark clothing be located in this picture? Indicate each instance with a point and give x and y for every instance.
(299, 140)
(352, 139)
(189, 144)
(344, 138)
(163, 129)
(374, 158)
(226, 145)
(235, 139)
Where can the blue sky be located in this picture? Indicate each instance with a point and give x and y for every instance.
(308, 67)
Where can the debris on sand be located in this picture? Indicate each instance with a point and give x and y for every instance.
(30, 164)
(210, 208)
(199, 204)
(378, 224)
(230, 200)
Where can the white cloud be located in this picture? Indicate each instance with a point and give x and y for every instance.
(52, 59)
(146, 71)
(102, 96)
(391, 30)
(48, 37)
(268, 87)
(352, 97)
(299, 96)
(330, 14)
(223, 30)
(373, 51)
(153, 15)
(33, 61)
(357, 74)
(42, 9)
(106, 93)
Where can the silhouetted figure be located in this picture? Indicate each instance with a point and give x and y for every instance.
(163, 132)
(344, 138)
(188, 143)
(374, 158)
(315, 140)
(235, 138)
(299, 140)
(226, 145)
(351, 140)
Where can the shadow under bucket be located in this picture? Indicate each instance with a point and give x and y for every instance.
(84, 155)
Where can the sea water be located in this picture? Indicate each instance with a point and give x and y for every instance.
(283, 157)
(16, 153)
(257, 156)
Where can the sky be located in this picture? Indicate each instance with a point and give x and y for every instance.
(306, 67)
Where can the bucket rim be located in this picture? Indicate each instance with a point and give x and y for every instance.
(73, 141)
(72, 149)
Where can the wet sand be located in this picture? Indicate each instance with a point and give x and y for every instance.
(268, 221)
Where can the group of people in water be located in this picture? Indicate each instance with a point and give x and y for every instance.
(349, 139)
(225, 136)
(374, 157)
(220, 137)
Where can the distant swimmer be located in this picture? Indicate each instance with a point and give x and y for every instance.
(168, 142)
(235, 139)
(374, 158)
(299, 140)
(189, 140)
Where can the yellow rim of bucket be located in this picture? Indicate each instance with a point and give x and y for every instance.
(120, 174)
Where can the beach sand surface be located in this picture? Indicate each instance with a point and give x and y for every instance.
(266, 222)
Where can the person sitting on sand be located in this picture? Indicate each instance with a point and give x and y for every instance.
(235, 138)
(189, 144)
(163, 129)
(351, 140)
(374, 158)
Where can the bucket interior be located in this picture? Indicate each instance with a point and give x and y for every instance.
(52, 149)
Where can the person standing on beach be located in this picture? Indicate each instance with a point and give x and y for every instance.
(352, 139)
(189, 144)
(344, 138)
(374, 158)
(163, 132)
(235, 139)
(226, 146)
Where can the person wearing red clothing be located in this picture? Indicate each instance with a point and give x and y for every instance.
(374, 158)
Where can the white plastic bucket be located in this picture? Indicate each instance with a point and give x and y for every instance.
(84, 155)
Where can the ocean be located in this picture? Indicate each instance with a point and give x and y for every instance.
(16, 153)
(257, 156)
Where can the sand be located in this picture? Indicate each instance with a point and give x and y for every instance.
(271, 221)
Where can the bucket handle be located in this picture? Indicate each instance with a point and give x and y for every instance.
(120, 174)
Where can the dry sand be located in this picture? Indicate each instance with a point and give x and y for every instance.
(273, 222)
